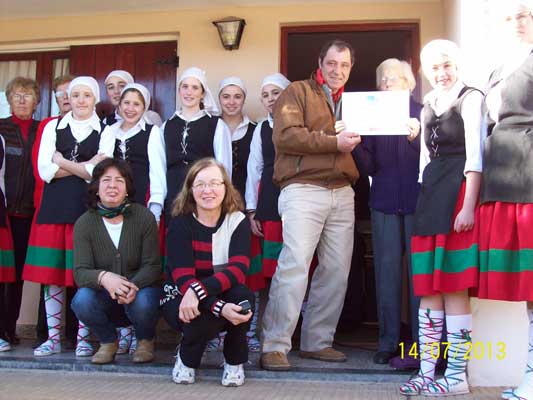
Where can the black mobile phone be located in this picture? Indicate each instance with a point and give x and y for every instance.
(246, 307)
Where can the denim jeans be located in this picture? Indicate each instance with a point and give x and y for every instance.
(103, 315)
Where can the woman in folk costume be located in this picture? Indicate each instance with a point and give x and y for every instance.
(191, 134)
(237, 127)
(262, 200)
(444, 244)
(115, 82)
(506, 211)
(7, 258)
(140, 143)
(70, 148)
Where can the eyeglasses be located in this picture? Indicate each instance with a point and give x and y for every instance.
(391, 79)
(520, 18)
(18, 97)
(204, 185)
(60, 94)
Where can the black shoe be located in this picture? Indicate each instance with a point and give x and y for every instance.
(383, 357)
(13, 338)
(37, 343)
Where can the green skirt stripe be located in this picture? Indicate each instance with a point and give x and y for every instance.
(7, 259)
(506, 260)
(49, 258)
(256, 264)
(449, 261)
(271, 250)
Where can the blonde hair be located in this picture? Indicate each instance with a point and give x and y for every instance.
(436, 48)
(26, 84)
(185, 203)
(403, 66)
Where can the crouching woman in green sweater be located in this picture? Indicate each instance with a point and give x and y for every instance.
(117, 264)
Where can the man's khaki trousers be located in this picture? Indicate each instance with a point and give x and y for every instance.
(313, 218)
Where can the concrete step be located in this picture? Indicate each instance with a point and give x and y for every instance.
(358, 368)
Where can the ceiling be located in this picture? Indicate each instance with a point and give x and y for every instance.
(10, 9)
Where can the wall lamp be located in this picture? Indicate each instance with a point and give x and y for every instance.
(230, 31)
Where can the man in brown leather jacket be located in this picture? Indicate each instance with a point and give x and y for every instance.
(315, 170)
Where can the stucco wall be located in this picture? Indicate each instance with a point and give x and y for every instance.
(198, 42)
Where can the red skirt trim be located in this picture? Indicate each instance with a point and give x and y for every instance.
(49, 259)
(447, 263)
(506, 251)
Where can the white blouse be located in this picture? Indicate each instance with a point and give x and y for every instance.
(80, 130)
(471, 112)
(255, 165)
(156, 161)
(223, 132)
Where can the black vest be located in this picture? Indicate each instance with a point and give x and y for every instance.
(441, 181)
(241, 152)
(20, 183)
(110, 119)
(182, 150)
(267, 201)
(135, 152)
(64, 199)
(3, 214)
(508, 152)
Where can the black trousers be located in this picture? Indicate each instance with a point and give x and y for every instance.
(206, 326)
(11, 293)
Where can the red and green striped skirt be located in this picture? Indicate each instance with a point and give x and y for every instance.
(264, 255)
(506, 251)
(49, 259)
(446, 263)
(7, 256)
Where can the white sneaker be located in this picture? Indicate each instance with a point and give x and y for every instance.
(181, 373)
(4, 345)
(233, 375)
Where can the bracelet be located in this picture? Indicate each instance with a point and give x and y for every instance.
(248, 212)
(100, 277)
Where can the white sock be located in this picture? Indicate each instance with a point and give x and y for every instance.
(459, 328)
(525, 389)
(430, 324)
(54, 297)
(83, 335)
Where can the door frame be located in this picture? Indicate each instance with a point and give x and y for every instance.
(412, 27)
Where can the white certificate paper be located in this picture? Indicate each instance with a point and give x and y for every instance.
(376, 113)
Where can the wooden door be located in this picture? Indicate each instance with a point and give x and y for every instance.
(151, 64)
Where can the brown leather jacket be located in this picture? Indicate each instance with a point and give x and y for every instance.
(305, 141)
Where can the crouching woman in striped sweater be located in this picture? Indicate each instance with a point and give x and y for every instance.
(208, 248)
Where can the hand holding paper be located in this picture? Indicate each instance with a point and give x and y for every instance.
(376, 113)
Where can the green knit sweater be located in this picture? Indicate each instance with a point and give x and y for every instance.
(137, 257)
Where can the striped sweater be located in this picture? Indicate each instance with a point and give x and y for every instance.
(210, 260)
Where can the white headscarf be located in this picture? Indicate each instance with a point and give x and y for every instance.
(436, 48)
(119, 73)
(88, 81)
(232, 80)
(142, 89)
(208, 101)
(276, 79)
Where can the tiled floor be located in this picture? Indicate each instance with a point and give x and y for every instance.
(51, 385)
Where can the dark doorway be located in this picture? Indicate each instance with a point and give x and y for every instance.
(373, 43)
(151, 64)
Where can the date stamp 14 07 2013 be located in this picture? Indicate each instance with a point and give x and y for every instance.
(468, 350)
